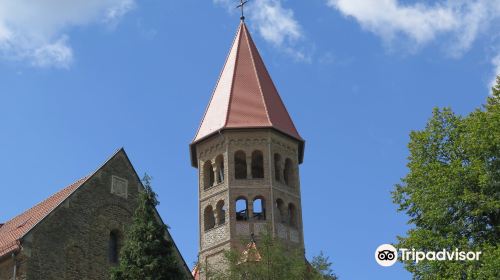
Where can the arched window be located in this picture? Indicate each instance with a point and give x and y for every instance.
(292, 215)
(221, 213)
(240, 165)
(219, 167)
(288, 172)
(241, 209)
(257, 165)
(280, 205)
(259, 208)
(277, 167)
(114, 247)
(208, 174)
(209, 218)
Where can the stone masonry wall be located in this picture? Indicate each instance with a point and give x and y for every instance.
(214, 241)
(7, 268)
(72, 242)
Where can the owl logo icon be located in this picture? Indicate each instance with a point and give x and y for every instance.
(386, 255)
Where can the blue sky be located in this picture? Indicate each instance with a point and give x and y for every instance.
(79, 80)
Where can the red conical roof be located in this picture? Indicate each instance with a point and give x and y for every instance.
(245, 95)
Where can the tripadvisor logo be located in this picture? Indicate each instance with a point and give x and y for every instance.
(387, 255)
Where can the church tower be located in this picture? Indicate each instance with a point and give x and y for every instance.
(247, 151)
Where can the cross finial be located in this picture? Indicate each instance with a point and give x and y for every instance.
(242, 6)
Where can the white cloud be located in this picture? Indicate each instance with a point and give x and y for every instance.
(57, 53)
(36, 31)
(460, 22)
(116, 12)
(387, 18)
(463, 19)
(275, 23)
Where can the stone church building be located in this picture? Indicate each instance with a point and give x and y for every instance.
(76, 233)
(247, 151)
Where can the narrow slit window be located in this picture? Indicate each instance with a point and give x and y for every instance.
(259, 210)
(219, 164)
(113, 247)
(240, 165)
(288, 176)
(208, 174)
(280, 205)
(209, 218)
(257, 165)
(221, 213)
(277, 167)
(241, 209)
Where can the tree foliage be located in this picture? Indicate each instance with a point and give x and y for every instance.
(452, 192)
(322, 268)
(147, 254)
(277, 261)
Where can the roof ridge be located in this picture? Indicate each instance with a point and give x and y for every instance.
(257, 76)
(215, 88)
(247, 99)
(7, 233)
(238, 34)
(282, 103)
(48, 198)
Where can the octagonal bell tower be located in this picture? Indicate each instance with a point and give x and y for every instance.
(247, 152)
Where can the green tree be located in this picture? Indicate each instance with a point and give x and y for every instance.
(452, 192)
(322, 268)
(147, 254)
(271, 260)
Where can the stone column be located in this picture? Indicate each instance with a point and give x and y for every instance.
(216, 173)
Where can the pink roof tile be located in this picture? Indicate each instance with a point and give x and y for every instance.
(245, 95)
(251, 253)
(14, 230)
(196, 272)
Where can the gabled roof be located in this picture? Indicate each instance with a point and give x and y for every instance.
(12, 231)
(245, 95)
(251, 253)
(196, 271)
